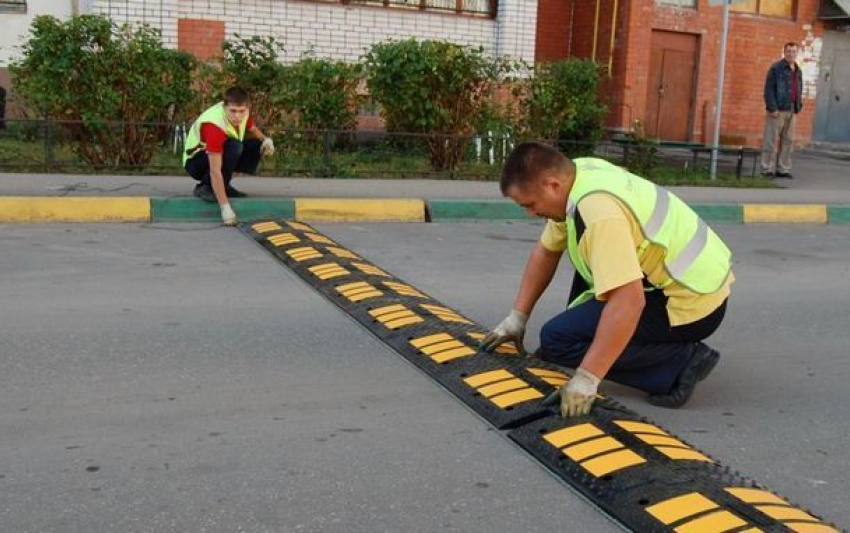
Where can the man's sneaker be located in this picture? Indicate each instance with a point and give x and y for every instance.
(767, 174)
(702, 362)
(204, 192)
(784, 175)
(233, 192)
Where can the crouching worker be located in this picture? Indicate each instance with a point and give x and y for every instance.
(216, 147)
(651, 282)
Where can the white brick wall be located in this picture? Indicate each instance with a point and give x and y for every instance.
(336, 31)
(15, 27)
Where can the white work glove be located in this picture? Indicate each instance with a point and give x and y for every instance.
(228, 217)
(578, 394)
(511, 328)
(267, 147)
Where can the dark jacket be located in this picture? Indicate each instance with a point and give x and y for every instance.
(777, 88)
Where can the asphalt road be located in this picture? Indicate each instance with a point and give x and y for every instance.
(176, 378)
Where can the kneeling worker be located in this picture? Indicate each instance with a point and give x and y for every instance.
(216, 147)
(651, 282)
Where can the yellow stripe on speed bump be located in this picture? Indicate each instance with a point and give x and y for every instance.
(506, 348)
(445, 314)
(315, 237)
(300, 227)
(693, 506)
(814, 214)
(777, 508)
(338, 210)
(442, 347)
(328, 271)
(395, 316)
(342, 252)
(503, 388)
(370, 269)
(283, 239)
(303, 254)
(404, 290)
(50, 209)
(265, 227)
(606, 453)
(662, 441)
(358, 291)
(556, 379)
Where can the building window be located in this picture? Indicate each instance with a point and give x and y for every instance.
(467, 7)
(768, 8)
(13, 6)
(690, 4)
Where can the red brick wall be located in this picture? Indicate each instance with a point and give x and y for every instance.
(202, 38)
(553, 30)
(754, 43)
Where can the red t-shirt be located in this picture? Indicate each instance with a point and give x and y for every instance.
(214, 137)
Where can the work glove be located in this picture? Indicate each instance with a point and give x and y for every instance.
(577, 395)
(511, 328)
(228, 217)
(268, 146)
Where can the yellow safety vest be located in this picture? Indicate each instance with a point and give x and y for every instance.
(695, 256)
(215, 115)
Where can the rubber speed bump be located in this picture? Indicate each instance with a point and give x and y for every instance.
(640, 474)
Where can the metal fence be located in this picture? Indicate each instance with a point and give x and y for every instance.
(156, 148)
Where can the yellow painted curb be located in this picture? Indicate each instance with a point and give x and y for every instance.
(785, 213)
(349, 210)
(51, 209)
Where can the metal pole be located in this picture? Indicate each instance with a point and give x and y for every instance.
(720, 72)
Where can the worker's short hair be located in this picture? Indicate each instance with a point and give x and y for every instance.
(790, 43)
(529, 161)
(236, 96)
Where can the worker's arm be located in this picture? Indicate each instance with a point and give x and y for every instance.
(539, 270)
(228, 217)
(617, 324)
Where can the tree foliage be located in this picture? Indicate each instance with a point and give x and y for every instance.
(561, 100)
(87, 71)
(433, 87)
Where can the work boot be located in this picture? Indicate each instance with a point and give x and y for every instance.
(204, 192)
(702, 362)
(233, 192)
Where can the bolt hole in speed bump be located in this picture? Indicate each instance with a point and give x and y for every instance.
(640, 474)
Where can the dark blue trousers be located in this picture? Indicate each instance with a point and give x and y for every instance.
(653, 359)
(242, 156)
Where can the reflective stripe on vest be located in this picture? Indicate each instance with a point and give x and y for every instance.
(695, 256)
(217, 116)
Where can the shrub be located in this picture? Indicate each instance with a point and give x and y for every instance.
(433, 87)
(88, 72)
(560, 101)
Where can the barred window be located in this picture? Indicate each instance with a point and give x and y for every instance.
(13, 6)
(469, 7)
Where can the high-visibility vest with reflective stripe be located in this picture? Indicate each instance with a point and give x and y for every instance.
(215, 115)
(695, 256)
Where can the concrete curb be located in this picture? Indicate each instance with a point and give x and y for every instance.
(28, 209)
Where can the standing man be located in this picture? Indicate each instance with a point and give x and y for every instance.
(783, 98)
(651, 278)
(216, 147)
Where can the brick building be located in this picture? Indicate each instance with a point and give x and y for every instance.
(662, 58)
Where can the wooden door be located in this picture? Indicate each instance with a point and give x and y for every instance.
(670, 93)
